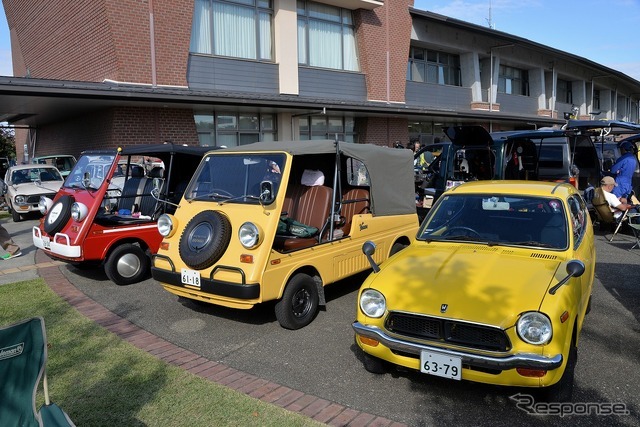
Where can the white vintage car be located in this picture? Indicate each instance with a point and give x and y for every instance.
(25, 184)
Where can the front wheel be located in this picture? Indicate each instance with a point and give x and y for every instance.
(562, 391)
(299, 303)
(127, 264)
(15, 216)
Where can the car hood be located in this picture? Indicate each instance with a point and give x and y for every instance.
(29, 188)
(488, 285)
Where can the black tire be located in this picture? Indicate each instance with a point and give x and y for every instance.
(299, 303)
(374, 365)
(58, 215)
(562, 391)
(15, 216)
(127, 264)
(204, 239)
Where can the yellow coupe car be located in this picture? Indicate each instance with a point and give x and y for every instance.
(494, 289)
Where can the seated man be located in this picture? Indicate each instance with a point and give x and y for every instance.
(617, 205)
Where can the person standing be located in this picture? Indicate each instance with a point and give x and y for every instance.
(8, 245)
(623, 170)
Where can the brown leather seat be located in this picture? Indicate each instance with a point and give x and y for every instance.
(308, 205)
(354, 202)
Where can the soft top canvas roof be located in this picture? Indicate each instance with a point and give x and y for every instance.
(390, 169)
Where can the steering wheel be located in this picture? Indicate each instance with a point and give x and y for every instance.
(470, 231)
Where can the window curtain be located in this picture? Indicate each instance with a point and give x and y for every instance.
(234, 31)
(302, 42)
(201, 29)
(325, 40)
(350, 53)
(265, 35)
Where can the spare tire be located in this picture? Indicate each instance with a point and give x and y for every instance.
(58, 215)
(204, 239)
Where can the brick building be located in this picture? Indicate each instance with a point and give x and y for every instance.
(226, 72)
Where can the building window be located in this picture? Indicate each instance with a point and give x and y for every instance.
(234, 28)
(430, 66)
(596, 100)
(233, 129)
(513, 81)
(327, 127)
(326, 37)
(564, 92)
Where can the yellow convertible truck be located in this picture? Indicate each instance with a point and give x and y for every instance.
(280, 220)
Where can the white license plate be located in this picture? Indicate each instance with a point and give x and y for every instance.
(46, 242)
(190, 277)
(441, 365)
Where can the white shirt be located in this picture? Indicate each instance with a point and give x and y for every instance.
(614, 202)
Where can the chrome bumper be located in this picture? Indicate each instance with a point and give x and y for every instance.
(524, 360)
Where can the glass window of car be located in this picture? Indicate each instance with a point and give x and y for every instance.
(235, 178)
(578, 212)
(357, 174)
(495, 219)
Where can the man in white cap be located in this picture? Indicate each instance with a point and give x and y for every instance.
(617, 206)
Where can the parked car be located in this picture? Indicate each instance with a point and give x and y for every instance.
(106, 211)
(25, 184)
(494, 289)
(471, 154)
(64, 162)
(278, 221)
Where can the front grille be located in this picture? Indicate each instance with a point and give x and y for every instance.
(35, 199)
(448, 331)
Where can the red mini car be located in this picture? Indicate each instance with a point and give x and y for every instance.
(106, 210)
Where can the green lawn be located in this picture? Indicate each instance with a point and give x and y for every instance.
(100, 380)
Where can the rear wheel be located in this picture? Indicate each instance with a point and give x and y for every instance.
(127, 264)
(299, 303)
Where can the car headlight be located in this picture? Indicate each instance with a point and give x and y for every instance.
(79, 211)
(372, 303)
(20, 200)
(249, 235)
(44, 204)
(166, 225)
(534, 328)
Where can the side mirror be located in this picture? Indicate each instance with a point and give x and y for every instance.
(575, 268)
(368, 249)
(267, 195)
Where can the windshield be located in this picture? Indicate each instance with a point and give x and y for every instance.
(23, 176)
(235, 178)
(97, 165)
(495, 219)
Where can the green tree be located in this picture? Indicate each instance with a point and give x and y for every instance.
(7, 143)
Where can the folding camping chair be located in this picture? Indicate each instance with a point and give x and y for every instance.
(635, 229)
(23, 359)
(604, 214)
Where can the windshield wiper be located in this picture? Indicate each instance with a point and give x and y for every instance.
(532, 243)
(213, 196)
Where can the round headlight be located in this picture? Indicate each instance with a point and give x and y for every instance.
(372, 303)
(166, 225)
(44, 204)
(19, 200)
(534, 328)
(249, 235)
(79, 211)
